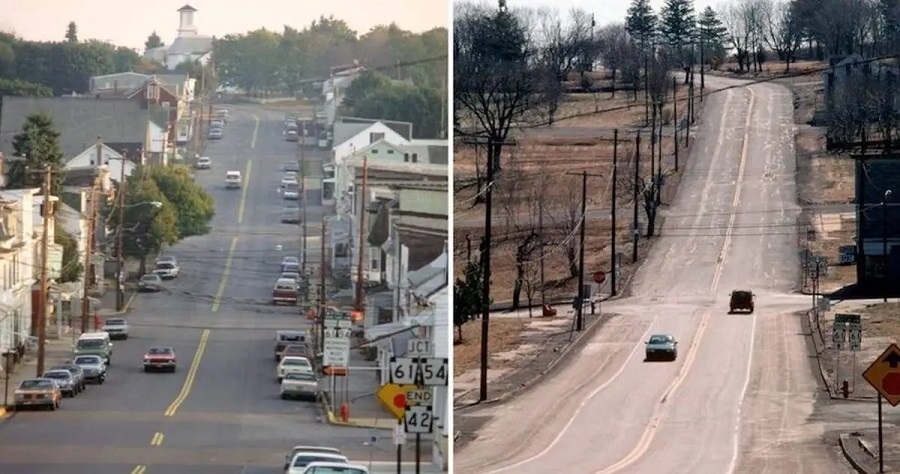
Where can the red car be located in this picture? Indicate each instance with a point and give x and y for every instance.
(160, 358)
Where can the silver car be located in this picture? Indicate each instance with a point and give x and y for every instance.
(67, 383)
(150, 282)
(299, 385)
(93, 366)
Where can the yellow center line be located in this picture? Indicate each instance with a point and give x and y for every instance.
(157, 439)
(246, 186)
(255, 131)
(217, 301)
(138, 469)
(192, 374)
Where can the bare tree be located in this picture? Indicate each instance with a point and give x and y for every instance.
(565, 215)
(520, 198)
(614, 49)
(739, 21)
(783, 32)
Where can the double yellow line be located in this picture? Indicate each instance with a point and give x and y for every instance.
(157, 439)
(217, 299)
(192, 374)
(139, 470)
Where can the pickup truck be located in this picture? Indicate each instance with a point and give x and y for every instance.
(285, 292)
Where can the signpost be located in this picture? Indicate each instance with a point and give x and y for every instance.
(847, 327)
(336, 347)
(884, 376)
(425, 372)
(846, 254)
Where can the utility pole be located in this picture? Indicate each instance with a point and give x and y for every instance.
(89, 255)
(362, 234)
(303, 196)
(120, 248)
(321, 337)
(46, 214)
(486, 272)
(541, 227)
(579, 307)
(635, 230)
(702, 63)
(675, 119)
(612, 215)
(659, 157)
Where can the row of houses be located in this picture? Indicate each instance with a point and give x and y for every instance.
(394, 191)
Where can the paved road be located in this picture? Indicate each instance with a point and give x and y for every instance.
(740, 396)
(225, 413)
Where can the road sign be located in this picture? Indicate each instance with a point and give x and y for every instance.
(855, 339)
(838, 336)
(846, 254)
(399, 435)
(418, 419)
(434, 371)
(336, 352)
(403, 370)
(847, 318)
(419, 348)
(393, 397)
(419, 397)
(338, 333)
(599, 277)
(884, 374)
(337, 319)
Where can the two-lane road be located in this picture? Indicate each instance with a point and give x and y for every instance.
(741, 394)
(220, 412)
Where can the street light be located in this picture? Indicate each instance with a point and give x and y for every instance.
(120, 290)
(884, 245)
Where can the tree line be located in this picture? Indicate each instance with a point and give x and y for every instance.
(263, 61)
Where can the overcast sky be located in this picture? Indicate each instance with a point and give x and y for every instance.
(129, 22)
(605, 11)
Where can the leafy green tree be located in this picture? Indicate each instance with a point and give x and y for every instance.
(404, 102)
(72, 268)
(248, 61)
(641, 22)
(295, 57)
(146, 229)
(20, 88)
(367, 83)
(153, 41)
(467, 296)
(38, 143)
(194, 207)
(677, 25)
(72, 32)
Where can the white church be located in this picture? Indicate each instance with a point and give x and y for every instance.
(188, 45)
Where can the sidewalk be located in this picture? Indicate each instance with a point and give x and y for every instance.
(359, 391)
(56, 351)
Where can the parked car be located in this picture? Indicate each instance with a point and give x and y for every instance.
(166, 258)
(291, 364)
(283, 339)
(67, 384)
(328, 467)
(308, 449)
(290, 215)
(167, 270)
(150, 282)
(299, 385)
(215, 134)
(117, 328)
(204, 163)
(291, 135)
(291, 192)
(293, 166)
(301, 461)
(289, 260)
(38, 392)
(291, 276)
(76, 371)
(285, 292)
(93, 366)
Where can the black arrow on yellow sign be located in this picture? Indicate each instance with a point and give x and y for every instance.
(893, 359)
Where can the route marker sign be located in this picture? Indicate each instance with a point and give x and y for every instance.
(418, 419)
(419, 348)
(418, 397)
(884, 374)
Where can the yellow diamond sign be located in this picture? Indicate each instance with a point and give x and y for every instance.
(393, 397)
(884, 374)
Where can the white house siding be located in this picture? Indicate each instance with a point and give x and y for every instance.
(17, 271)
(361, 140)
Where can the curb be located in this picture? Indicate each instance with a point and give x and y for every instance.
(589, 331)
(842, 439)
(334, 420)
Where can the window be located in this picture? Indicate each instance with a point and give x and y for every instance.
(406, 157)
(415, 157)
(166, 105)
(374, 137)
(375, 151)
(390, 152)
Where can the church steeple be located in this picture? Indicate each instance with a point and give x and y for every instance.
(186, 21)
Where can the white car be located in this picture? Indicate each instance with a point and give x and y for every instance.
(302, 460)
(299, 385)
(289, 261)
(291, 192)
(166, 270)
(150, 282)
(117, 328)
(291, 364)
(328, 467)
(289, 181)
(307, 449)
(233, 180)
(204, 163)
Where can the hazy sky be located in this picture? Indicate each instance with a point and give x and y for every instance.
(605, 11)
(129, 22)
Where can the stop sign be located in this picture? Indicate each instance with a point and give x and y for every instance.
(891, 383)
(599, 277)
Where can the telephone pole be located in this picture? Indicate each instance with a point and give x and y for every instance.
(89, 255)
(120, 248)
(635, 227)
(579, 307)
(303, 196)
(612, 214)
(46, 213)
(675, 118)
(362, 234)
(321, 337)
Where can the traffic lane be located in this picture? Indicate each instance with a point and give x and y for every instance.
(696, 428)
(533, 423)
(691, 238)
(764, 256)
(778, 429)
(65, 468)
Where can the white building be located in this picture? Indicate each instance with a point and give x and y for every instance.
(188, 45)
(17, 267)
(109, 165)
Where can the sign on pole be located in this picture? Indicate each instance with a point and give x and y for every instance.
(399, 435)
(434, 371)
(839, 336)
(884, 374)
(419, 397)
(403, 370)
(846, 254)
(336, 352)
(418, 419)
(419, 348)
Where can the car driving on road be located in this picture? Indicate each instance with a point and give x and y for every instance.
(38, 393)
(203, 163)
(160, 358)
(150, 282)
(662, 347)
(117, 328)
(93, 366)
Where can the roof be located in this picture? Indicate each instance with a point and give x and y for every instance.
(191, 45)
(404, 129)
(187, 8)
(79, 120)
(345, 131)
(436, 154)
(429, 279)
(123, 82)
(423, 247)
